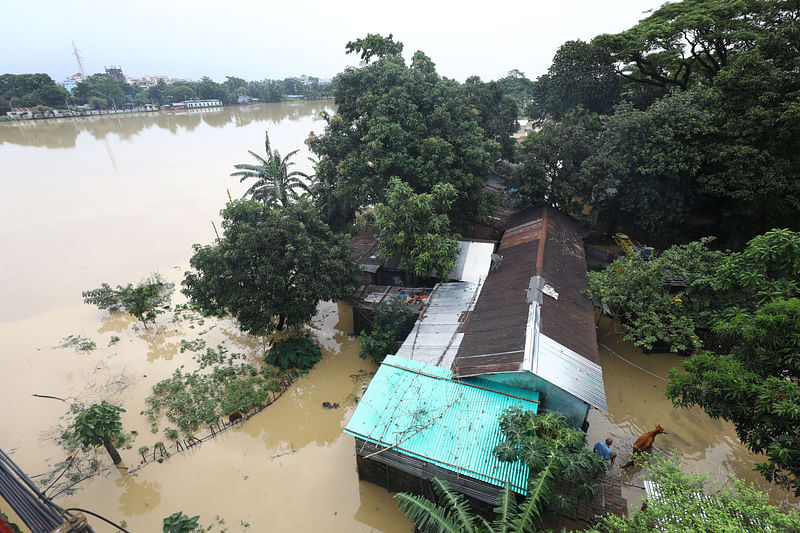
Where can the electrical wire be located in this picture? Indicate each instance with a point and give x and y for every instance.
(103, 518)
(633, 364)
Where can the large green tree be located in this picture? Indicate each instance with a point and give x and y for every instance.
(744, 309)
(683, 43)
(416, 227)
(551, 159)
(516, 85)
(30, 90)
(497, 112)
(115, 92)
(581, 74)
(646, 166)
(275, 184)
(99, 424)
(754, 161)
(271, 267)
(756, 386)
(395, 120)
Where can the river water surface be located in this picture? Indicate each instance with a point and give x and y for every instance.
(113, 199)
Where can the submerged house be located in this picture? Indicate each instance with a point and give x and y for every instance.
(415, 423)
(516, 331)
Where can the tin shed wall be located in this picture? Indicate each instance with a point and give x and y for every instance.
(552, 397)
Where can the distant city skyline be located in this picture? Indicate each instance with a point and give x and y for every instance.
(189, 40)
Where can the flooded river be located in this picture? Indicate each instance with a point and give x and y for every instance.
(113, 199)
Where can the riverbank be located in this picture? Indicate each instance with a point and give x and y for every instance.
(30, 114)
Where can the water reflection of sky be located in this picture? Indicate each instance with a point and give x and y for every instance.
(116, 198)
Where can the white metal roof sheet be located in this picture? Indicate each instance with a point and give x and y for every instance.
(435, 338)
(473, 261)
(570, 371)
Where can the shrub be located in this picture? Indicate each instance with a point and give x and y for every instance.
(393, 321)
(294, 352)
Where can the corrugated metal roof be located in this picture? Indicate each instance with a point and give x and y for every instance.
(436, 337)
(473, 261)
(570, 371)
(417, 410)
(707, 507)
(516, 326)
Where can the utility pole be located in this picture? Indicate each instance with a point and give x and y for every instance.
(77, 55)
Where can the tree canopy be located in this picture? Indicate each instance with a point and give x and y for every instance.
(404, 121)
(581, 74)
(699, 120)
(271, 267)
(99, 424)
(416, 227)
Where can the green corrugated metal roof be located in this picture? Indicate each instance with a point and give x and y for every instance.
(419, 411)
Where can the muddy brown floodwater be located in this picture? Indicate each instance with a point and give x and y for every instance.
(635, 384)
(113, 199)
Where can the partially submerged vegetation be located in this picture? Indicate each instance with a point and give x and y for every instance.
(223, 384)
(145, 300)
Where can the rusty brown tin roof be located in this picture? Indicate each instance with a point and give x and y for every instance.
(537, 242)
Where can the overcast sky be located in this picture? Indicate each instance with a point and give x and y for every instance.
(277, 39)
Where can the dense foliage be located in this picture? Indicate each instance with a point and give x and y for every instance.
(416, 227)
(144, 301)
(99, 424)
(271, 267)
(191, 400)
(699, 111)
(180, 523)
(744, 309)
(581, 75)
(403, 121)
(298, 351)
(392, 323)
(30, 90)
(687, 506)
(102, 91)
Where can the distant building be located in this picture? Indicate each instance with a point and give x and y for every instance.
(195, 104)
(115, 72)
(246, 100)
(69, 84)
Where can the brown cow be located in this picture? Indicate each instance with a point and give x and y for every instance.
(644, 443)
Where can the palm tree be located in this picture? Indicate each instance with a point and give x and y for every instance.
(455, 516)
(275, 184)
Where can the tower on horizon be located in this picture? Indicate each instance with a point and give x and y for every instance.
(77, 55)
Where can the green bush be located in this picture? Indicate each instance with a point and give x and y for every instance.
(393, 322)
(294, 352)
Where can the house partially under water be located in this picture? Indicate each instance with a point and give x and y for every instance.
(518, 330)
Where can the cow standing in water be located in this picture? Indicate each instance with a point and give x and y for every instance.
(644, 443)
